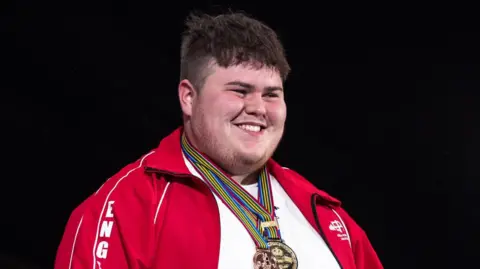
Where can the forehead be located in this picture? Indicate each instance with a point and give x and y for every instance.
(259, 77)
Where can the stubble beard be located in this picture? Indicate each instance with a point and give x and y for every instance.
(224, 155)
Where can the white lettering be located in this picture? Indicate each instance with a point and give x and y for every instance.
(109, 210)
(102, 250)
(106, 229)
(105, 232)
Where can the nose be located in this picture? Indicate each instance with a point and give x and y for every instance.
(255, 105)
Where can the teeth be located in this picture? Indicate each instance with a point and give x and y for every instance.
(251, 128)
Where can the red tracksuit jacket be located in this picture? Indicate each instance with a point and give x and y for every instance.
(154, 214)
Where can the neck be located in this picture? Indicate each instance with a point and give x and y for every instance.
(242, 179)
(246, 179)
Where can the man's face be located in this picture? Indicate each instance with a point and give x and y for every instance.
(238, 117)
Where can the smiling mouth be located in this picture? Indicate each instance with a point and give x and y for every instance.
(254, 129)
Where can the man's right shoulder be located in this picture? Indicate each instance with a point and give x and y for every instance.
(128, 176)
(127, 183)
(121, 211)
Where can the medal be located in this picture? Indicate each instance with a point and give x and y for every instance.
(264, 259)
(277, 256)
(283, 254)
(258, 217)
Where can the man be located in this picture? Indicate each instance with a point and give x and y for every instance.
(210, 196)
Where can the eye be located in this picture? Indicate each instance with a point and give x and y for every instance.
(272, 94)
(240, 91)
(275, 94)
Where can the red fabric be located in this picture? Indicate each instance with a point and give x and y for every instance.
(155, 214)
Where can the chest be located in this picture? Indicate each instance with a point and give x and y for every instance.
(237, 247)
(197, 230)
(188, 230)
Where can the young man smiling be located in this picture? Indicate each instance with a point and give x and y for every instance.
(210, 196)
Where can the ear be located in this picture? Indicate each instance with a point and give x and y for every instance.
(186, 95)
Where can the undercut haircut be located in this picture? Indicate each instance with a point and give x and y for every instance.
(227, 40)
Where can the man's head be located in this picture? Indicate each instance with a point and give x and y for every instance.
(231, 90)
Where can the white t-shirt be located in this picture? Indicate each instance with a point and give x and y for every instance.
(237, 248)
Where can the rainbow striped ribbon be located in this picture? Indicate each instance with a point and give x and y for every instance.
(252, 213)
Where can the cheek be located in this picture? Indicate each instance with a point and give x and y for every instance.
(227, 107)
(220, 108)
(278, 113)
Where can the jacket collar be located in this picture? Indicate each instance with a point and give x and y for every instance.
(168, 158)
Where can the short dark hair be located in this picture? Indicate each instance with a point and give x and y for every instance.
(229, 39)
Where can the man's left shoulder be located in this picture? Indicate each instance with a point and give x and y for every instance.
(324, 199)
(298, 178)
(336, 220)
(306, 184)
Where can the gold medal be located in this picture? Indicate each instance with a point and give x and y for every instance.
(278, 256)
(264, 259)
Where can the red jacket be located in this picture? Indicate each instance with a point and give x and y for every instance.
(154, 214)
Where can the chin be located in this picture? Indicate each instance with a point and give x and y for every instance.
(252, 158)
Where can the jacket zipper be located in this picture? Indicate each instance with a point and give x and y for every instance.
(322, 233)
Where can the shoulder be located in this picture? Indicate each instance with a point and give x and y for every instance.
(308, 186)
(130, 176)
(330, 202)
(119, 212)
(298, 177)
(331, 206)
(127, 184)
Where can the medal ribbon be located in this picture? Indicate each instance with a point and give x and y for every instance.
(252, 213)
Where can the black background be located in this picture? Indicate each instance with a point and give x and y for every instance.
(382, 102)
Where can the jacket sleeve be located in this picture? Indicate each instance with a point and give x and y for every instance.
(112, 229)
(363, 252)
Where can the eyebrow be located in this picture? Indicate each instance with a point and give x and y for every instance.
(251, 87)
